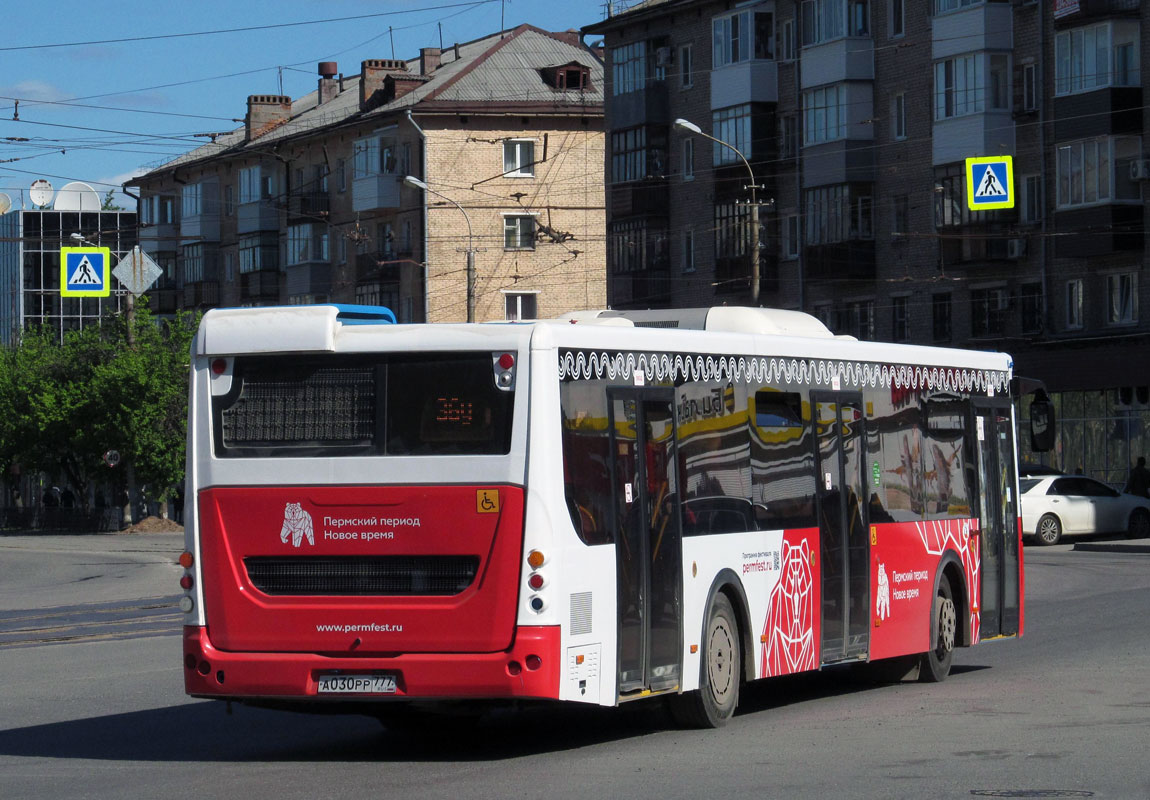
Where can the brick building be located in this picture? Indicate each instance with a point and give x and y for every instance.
(855, 117)
(309, 202)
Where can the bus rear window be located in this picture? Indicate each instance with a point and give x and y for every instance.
(440, 404)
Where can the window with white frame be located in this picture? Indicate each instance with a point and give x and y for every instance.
(306, 243)
(192, 200)
(1122, 298)
(1097, 171)
(1029, 87)
(790, 231)
(688, 159)
(628, 68)
(971, 84)
(688, 249)
(742, 36)
(897, 16)
(520, 305)
(193, 262)
(375, 155)
(256, 185)
(823, 20)
(1031, 198)
(1074, 304)
(898, 115)
(732, 125)
(1096, 56)
(518, 232)
(519, 158)
(686, 66)
(825, 114)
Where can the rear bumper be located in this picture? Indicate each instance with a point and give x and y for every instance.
(209, 672)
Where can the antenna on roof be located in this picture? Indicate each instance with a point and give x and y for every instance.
(440, 24)
(281, 71)
(392, 35)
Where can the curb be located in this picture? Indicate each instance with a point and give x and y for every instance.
(1139, 546)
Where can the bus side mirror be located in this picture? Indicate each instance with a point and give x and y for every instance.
(1041, 426)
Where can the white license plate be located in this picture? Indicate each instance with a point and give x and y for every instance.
(357, 684)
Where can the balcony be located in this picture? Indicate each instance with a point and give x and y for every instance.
(989, 26)
(309, 278)
(374, 192)
(640, 198)
(261, 285)
(987, 134)
(163, 301)
(159, 237)
(201, 294)
(838, 261)
(747, 82)
(1102, 112)
(841, 161)
(200, 228)
(308, 207)
(262, 215)
(1086, 10)
(838, 61)
(647, 106)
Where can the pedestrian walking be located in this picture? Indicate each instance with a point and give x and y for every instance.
(1139, 482)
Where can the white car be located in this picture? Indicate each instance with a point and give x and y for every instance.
(1056, 504)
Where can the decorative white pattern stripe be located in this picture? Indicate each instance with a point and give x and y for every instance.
(764, 370)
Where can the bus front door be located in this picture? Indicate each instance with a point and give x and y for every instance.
(997, 518)
(647, 538)
(844, 548)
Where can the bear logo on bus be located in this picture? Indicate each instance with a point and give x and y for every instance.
(297, 524)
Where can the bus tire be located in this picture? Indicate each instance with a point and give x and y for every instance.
(719, 672)
(936, 662)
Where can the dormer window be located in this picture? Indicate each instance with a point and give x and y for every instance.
(572, 77)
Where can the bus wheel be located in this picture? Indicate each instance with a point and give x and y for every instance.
(719, 675)
(936, 662)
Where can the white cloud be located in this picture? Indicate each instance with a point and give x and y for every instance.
(33, 90)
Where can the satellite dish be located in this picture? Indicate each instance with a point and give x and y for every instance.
(5, 203)
(77, 196)
(41, 193)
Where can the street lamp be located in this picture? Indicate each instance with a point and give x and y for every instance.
(755, 282)
(416, 183)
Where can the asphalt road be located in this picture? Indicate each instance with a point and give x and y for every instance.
(92, 705)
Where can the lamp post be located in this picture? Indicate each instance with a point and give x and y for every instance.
(755, 281)
(416, 183)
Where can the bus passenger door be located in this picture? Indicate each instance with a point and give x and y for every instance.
(648, 543)
(997, 518)
(844, 548)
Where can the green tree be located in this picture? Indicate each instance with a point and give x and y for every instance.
(110, 203)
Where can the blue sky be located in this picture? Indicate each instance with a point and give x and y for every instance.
(134, 104)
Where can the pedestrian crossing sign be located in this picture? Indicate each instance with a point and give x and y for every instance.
(84, 271)
(989, 183)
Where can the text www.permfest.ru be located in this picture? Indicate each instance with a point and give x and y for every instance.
(371, 627)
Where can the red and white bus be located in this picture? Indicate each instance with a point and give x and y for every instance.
(608, 507)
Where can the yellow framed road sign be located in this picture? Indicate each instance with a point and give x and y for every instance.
(85, 271)
(989, 183)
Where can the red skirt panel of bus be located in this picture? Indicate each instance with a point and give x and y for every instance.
(358, 570)
(529, 668)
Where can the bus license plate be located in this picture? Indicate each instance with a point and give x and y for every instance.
(357, 684)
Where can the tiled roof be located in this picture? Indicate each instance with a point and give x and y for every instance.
(498, 69)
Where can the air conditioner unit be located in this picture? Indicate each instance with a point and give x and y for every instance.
(663, 57)
(1015, 248)
(1140, 169)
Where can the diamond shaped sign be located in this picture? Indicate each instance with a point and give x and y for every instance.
(137, 271)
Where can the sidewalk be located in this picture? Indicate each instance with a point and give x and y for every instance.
(1115, 546)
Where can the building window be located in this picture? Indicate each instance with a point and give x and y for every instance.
(836, 214)
(732, 125)
(901, 216)
(193, 262)
(638, 153)
(628, 68)
(519, 232)
(742, 36)
(686, 67)
(1096, 56)
(374, 156)
(688, 249)
(319, 178)
(1074, 304)
(898, 115)
(790, 226)
(229, 266)
(633, 247)
(961, 86)
(1097, 171)
(257, 185)
(825, 114)
(897, 18)
(1031, 199)
(824, 20)
(259, 251)
(306, 243)
(518, 159)
(789, 135)
(940, 317)
(988, 311)
(520, 305)
(341, 249)
(732, 227)
(688, 159)
(900, 319)
(856, 319)
(192, 200)
(1030, 307)
(1122, 298)
(341, 175)
(788, 39)
(1029, 88)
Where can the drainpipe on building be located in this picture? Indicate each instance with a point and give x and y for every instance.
(426, 233)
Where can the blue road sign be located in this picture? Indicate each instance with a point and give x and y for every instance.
(989, 183)
(84, 271)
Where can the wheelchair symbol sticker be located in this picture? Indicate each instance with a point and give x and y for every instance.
(487, 501)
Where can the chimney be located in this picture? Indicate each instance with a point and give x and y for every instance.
(428, 60)
(398, 84)
(371, 76)
(265, 112)
(328, 86)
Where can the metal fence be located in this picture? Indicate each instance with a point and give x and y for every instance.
(38, 519)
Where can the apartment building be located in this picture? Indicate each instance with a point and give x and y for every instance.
(448, 187)
(838, 186)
